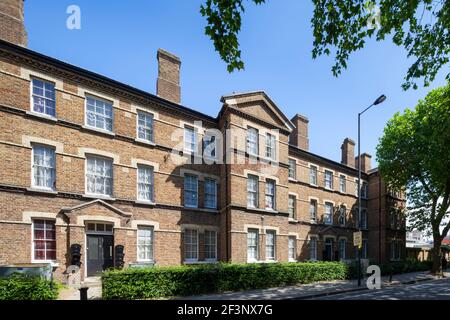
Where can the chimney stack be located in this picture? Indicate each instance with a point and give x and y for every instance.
(366, 164)
(348, 152)
(12, 27)
(168, 84)
(299, 136)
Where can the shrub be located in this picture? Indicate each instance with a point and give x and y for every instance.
(26, 287)
(192, 280)
(396, 267)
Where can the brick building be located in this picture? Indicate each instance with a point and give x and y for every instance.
(86, 160)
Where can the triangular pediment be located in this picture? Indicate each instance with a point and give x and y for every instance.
(93, 204)
(259, 105)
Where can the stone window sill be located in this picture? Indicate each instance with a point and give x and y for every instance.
(41, 115)
(44, 191)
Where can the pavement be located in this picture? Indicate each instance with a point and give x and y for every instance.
(315, 290)
(94, 292)
(341, 289)
(430, 290)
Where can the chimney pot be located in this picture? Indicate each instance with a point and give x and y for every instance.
(12, 27)
(348, 152)
(168, 83)
(299, 136)
(366, 164)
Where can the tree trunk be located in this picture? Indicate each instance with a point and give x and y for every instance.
(437, 263)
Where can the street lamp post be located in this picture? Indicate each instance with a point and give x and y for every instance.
(378, 101)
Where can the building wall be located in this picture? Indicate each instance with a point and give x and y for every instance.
(72, 208)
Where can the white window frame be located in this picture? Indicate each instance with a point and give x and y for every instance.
(190, 176)
(33, 259)
(95, 113)
(214, 233)
(251, 143)
(342, 214)
(315, 169)
(270, 146)
(152, 243)
(364, 190)
(342, 183)
(152, 183)
(293, 207)
(53, 169)
(190, 260)
(292, 248)
(326, 215)
(343, 249)
(328, 173)
(111, 178)
(145, 127)
(32, 96)
(292, 169)
(311, 201)
(214, 205)
(190, 141)
(273, 196)
(255, 192)
(365, 214)
(210, 140)
(255, 231)
(310, 242)
(273, 245)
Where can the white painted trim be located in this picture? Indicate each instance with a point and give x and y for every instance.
(81, 220)
(27, 142)
(199, 228)
(82, 153)
(28, 74)
(28, 216)
(201, 175)
(146, 223)
(33, 260)
(135, 108)
(137, 126)
(135, 162)
(83, 92)
(153, 243)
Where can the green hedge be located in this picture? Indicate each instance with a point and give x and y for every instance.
(396, 267)
(405, 267)
(193, 280)
(23, 287)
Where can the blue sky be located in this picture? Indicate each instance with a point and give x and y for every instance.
(120, 40)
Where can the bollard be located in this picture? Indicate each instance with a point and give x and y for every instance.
(83, 293)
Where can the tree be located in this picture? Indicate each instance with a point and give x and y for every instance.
(420, 26)
(414, 153)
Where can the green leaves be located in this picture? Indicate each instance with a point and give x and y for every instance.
(420, 26)
(24, 287)
(414, 152)
(193, 280)
(223, 25)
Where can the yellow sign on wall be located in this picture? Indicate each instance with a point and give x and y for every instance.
(357, 239)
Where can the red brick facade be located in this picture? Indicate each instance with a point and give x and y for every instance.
(71, 207)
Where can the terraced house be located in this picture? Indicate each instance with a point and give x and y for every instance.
(90, 164)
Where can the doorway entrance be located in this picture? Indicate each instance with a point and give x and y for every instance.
(99, 248)
(328, 254)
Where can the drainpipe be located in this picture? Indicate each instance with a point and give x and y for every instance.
(379, 218)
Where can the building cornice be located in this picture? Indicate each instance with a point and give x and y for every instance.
(97, 81)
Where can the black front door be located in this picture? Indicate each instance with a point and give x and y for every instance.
(99, 253)
(328, 254)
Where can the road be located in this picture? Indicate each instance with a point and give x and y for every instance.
(427, 290)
